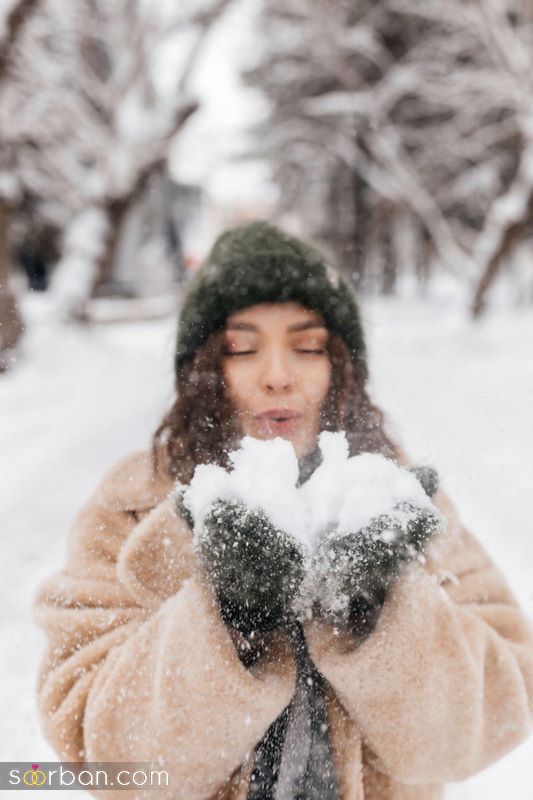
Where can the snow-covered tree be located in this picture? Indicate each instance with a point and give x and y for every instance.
(13, 16)
(401, 130)
(96, 93)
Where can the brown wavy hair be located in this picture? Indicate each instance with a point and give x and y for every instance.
(201, 426)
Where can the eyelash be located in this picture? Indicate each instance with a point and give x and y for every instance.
(250, 352)
(315, 352)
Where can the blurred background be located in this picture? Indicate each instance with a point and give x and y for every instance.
(395, 134)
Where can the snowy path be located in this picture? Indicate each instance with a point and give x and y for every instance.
(458, 397)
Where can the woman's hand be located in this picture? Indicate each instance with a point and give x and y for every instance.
(363, 564)
(255, 568)
(352, 573)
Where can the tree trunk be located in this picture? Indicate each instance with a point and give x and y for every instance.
(512, 236)
(388, 257)
(423, 256)
(117, 209)
(11, 324)
(13, 25)
(361, 214)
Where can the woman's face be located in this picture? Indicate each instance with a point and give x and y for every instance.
(277, 371)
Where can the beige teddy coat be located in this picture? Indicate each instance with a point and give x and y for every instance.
(140, 666)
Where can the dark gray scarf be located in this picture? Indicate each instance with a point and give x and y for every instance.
(294, 760)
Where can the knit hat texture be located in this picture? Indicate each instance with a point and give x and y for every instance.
(259, 263)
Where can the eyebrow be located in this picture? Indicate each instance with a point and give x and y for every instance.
(298, 326)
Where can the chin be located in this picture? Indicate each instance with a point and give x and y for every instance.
(300, 448)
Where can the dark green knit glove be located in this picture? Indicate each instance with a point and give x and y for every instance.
(255, 568)
(357, 569)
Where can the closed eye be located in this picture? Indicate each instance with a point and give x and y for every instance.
(315, 352)
(239, 352)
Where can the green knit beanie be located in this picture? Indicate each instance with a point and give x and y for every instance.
(259, 263)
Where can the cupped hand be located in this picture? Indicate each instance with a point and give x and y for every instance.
(350, 573)
(255, 568)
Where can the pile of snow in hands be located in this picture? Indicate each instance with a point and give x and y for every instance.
(342, 496)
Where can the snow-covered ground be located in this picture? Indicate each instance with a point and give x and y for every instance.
(458, 396)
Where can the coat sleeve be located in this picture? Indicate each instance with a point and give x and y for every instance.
(443, 687)
(139, 666)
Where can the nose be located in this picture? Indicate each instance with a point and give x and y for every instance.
(276, 374)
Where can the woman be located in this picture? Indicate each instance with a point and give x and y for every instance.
(154, 655)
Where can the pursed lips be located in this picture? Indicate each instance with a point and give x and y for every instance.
(279, 414)
(278, 421)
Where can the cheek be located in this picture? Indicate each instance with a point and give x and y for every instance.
(317, 382)
(237, 383)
